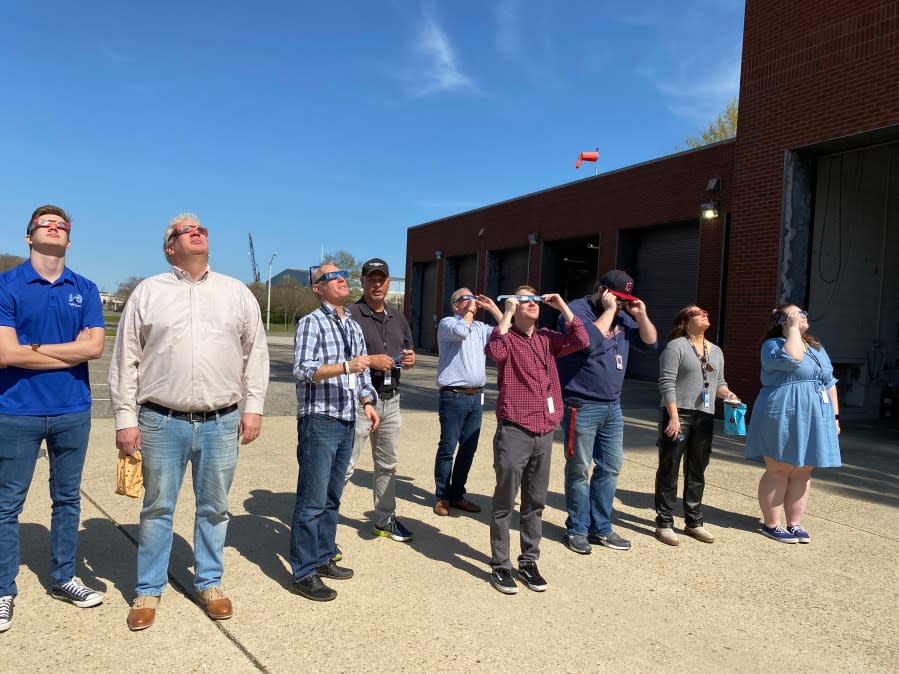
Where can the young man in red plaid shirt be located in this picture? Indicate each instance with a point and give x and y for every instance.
(528, 408)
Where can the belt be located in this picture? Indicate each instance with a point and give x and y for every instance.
(387, 395)
(190, 416)
(467, 390)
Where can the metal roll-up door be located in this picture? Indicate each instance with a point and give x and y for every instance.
(665, 274)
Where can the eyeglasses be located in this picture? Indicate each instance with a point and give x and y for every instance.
(783, 318)
(706, 365)
(523, 299)
(61, 224)
(331, 275)
(184, 229)
(697, 312)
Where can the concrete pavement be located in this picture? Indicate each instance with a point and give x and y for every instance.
(742, 604)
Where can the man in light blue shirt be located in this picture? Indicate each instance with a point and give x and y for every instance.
(461, 375)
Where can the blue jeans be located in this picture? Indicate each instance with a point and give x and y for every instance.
(324, 447)
(460, 424)
(20, 441)
(599, 440)
(167, 444)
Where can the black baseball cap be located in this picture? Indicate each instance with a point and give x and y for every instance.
(375, 264)
(619, 283)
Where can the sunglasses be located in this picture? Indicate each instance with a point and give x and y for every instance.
(523, 299)
(331, 275)
(706, 365)
(782, 319)
(697, 312)
(184, 229)
(40, 224)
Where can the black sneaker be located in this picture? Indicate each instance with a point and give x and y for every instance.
(503, 581)
(393, 530)
(578, 543)
(313, 588)
(530, 576)
(337, 557)
(75, 593)
(610, 540)
(6, 603)
(331, 570)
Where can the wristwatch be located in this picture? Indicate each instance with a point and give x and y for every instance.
(35, 347)
(368, 402)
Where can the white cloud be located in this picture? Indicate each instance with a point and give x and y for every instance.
(439, 71)
(696, 93)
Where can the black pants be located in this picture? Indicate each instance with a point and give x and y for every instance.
(696, 450)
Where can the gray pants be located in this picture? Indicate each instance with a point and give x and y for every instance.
(521, 460)
(384, 442)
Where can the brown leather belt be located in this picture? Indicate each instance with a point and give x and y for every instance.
(190, 416)
(467, 390)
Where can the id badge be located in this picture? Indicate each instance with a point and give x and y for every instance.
(705, 398)
(482, 398)
(352, 381)
(388, 377)
(824, 397)
(551, 405)
(619, 362)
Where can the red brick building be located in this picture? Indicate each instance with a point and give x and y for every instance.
(808, 210)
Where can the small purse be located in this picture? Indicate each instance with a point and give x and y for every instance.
(735, 419)
(129, 478)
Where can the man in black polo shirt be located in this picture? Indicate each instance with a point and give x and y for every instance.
(388, 340)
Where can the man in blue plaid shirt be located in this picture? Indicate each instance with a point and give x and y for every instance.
(331, 368)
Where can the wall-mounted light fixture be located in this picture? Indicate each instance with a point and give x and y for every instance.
(709, 210)
(438, 254)
(714, 185)
(533, 238)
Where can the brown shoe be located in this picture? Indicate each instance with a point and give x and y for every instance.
(466, 505)
(442, 507)
(142, 613)
(218, 606)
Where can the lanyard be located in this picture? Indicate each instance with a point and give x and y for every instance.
(347, 351)
(820, 372)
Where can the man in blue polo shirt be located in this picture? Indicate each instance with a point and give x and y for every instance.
(51, 324)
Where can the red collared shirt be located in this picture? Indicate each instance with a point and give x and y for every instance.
(527, 375)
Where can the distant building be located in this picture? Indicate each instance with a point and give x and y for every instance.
(111, 302)
(301, 276)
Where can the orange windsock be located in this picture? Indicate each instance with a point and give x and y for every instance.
(586, 156)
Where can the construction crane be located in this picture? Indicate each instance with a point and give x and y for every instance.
(253, 260)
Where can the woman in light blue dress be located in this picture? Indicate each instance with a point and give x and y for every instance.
(795, 421)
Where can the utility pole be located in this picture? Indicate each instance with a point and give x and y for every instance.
(268, 304)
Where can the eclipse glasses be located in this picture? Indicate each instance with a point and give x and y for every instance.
(331, 275)
(40, 224)
(522, 298)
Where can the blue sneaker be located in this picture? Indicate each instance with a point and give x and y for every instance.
(800, 534)
(778, 533)
(393, 530)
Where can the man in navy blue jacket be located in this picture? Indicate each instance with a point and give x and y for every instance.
(593, 425)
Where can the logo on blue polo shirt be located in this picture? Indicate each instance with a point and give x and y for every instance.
(75, 300)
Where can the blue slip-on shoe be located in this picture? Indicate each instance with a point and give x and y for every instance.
(800, 534)
(778, 533)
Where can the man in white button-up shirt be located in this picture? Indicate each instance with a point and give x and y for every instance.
(190, 346)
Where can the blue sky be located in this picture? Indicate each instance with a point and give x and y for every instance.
(332, 125)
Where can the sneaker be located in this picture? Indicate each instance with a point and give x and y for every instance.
(77, 594)
(530, 576)
(667, 536)
(800, 534)
(6, 612)
(700, 533)
(778, 533)
(339, 555)
(609, 540)
(503, 581)
(393, 530)
(578, 543)
(313, 588)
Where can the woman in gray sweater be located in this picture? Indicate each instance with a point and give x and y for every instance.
(691, 378)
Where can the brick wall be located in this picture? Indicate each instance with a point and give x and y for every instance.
(811, 72)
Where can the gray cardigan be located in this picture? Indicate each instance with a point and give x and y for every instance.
(680, 376)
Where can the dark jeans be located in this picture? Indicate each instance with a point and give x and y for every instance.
(324, 448)
(460, 424)
(20, 440)
(696, 450)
